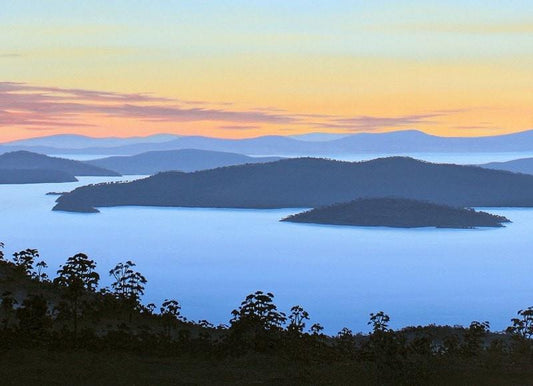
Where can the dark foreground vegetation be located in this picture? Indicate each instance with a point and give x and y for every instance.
(69, 331)
(399, 213)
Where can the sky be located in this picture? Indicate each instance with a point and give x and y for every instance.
(248, 68)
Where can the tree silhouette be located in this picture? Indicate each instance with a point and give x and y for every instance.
(78, 277)
(39, 274)
(379, 322)
(316, 329)
(257, 323)
(523, 325)
(387, 349)
(149, 308)
(128, 285)
(474, 337)
(258, 309)
(25, 259)
(346, 341)
(170, 314)
(297, 319)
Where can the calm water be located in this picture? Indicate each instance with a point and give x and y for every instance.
(209, 259)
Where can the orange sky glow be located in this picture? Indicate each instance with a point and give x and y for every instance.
(245, 70)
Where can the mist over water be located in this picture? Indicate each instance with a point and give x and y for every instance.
(210, 259)
(457, 158)
(453, 158)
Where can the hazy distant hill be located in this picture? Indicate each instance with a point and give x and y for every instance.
(28, 160)
(75, 141)
(401, 213)
(522, 165)
(186, 160)
(319, 137)
(406, 141)
(311, 182)
(34, 176)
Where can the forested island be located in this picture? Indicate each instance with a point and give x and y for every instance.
(34, 176)
(26, 160)
(398, 213)
(24, 167)
(311, 183)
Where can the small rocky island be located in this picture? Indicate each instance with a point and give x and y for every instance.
(398, 213)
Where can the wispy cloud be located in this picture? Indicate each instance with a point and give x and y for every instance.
(26, 105)
(58, 94)
(270, 109)
(238, 127)
(42, 108)
(369, 123)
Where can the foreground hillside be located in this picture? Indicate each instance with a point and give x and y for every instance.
(311, 182)
(28, 160)
(34, 176)
(67, 330)
(24, 367)
(400, 213)
(187, 160)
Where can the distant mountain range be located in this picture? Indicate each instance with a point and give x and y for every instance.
(28, 160)
(74, 141)
(187, 160)
(34, 176)
(522, 165)
(311, 182)
(400, 213)
(316, 144)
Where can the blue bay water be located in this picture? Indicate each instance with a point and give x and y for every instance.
(210, 259)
